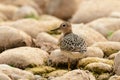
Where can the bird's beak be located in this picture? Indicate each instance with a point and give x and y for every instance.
(56, 29)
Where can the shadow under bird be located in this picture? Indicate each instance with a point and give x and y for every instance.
(71, 45)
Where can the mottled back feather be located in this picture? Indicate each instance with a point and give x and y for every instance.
(74, 43)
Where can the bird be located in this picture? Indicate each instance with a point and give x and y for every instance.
(71, 45)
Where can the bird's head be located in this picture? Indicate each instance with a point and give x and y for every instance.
(65, 27)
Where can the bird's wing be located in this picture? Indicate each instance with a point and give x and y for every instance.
(73, 43)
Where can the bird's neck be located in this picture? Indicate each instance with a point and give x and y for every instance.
(66, 33)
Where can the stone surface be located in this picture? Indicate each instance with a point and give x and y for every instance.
(20, 3)
(94, 52)
(117, 64)
(8, 10)
(33, 27)
(59, 9)
(3, 17)
(108, 47)
(25, 12)
(112, 56)
(11, 38)
(4, 76)
(56, 57)
(106, 26)
(75, 75)
(103, 76)
(56, 73)
(114, 77)
(89, 11)
(115, 14)
(42, 4)
(46, 41)
(115, 36)
(41, 70)
(87, 34)
(30, 26)
(23, 56)
(85, 61)
(15, 73)
(99, 67)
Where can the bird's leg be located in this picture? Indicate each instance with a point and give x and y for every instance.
(78, 64)
(69, 64)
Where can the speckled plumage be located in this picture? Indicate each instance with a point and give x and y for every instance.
(72, 42)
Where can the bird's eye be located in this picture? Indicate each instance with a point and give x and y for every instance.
(64, 25)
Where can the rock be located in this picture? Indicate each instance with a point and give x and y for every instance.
(38, 77)
(56, 73)
(75, 75)
(112, 56)
(106, 26)
(4, 76)
(87, 34)
(115, 36)
(114, 77)
(23, 79)
(15, 73)
(117, 63)
(46, 42)
(56, 57)
(49, 22)
(45, 17)
(30, 26)
(34, 27)
(89, 11)
(59, 9)
(26, 56)
(13, 38)
(99, 67)
(25, 12)
(108, 47)
(42, 4)
(40, 70)
(85, 61)
(115, 14)
(104, 76)
(45, 37)
(8, 10)
(20, 3)
(94, 52)
(2, 17)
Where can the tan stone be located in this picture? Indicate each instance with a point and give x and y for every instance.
(62, 8)
(11, 38)
(46, 42)
(99, 67)
(94, 52)
(24, 56)
(108, 47)
(115, 36)
(8, 10)
(75, 75)
(15, 73)
(90, 10)
(90, 35)
(25, 12)
(106, 26)
(85, 61)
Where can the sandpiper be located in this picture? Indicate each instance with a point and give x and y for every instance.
(71, 45)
